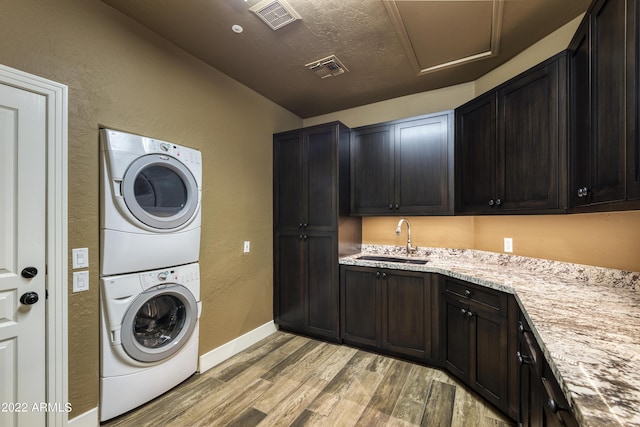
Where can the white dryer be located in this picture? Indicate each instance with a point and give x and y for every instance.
(149, 335)
(150, 203)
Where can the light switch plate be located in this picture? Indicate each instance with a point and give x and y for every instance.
(80, 281)
(80, 258)
(247, 246)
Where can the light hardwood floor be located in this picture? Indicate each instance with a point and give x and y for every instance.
(290, 380)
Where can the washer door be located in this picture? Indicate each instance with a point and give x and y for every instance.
(158, 323)
(160, 191)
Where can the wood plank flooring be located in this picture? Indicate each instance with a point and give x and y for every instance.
(290, 380)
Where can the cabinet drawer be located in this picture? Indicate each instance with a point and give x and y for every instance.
(484, 297)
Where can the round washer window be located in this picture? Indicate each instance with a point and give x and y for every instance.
(160, 191)
(158, 323)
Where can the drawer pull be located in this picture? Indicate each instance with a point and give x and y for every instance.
(524, 360)
(551, 402)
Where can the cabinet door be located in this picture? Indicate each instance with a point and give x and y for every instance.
(456, 344)
(580, 116)
(489, 353)
(289, 193)
(424, 165)
(529, 370)
(633, 103)
(530, 397)
(475, 159)
(555, 408)
(360, 320)
(322, 284)
(289, 282)
(372, 170)
(532, 114)
(608, 171)
(321, 160)
(407, 312)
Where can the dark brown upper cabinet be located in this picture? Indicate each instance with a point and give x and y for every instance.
(633, 108)
(306, 179)
(511, 146)
(605, 169)
(403, 167)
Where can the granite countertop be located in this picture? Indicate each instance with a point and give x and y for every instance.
(586, 320)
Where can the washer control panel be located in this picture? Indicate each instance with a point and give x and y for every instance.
(182, 275)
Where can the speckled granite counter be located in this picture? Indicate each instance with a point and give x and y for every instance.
(586, 319)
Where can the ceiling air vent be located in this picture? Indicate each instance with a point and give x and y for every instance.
(276, 13)
(327, 67)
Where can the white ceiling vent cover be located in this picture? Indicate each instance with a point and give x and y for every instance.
(327, 67)
(276, 13)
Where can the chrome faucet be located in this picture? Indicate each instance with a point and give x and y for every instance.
(410, 249)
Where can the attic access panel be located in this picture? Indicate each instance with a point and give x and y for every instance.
(440, 34)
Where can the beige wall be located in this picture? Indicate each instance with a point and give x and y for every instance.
(605, 239)
(123, 76)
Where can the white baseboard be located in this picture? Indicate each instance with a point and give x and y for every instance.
(225, 351)
(87, 419)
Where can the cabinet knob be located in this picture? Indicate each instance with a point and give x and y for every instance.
(303, 237)
(384, 275)
(498, 202)
(492, 202)
(583, 192)
(378, 274)
(397, 206)
(467, 292)
(391, 206)
(302, 225)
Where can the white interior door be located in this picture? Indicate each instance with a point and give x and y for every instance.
(22, 247)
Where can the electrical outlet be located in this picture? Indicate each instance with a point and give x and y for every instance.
(247, 246)
(508, 244)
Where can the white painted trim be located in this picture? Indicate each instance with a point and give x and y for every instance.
(87, 419)
(57, 229)
(225, 351)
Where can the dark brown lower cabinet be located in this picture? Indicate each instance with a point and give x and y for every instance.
(542, 403)
(306, 283)
(475, 339)
(388, 311)
(476, 333)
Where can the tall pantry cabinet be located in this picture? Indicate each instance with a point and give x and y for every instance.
(312, 228)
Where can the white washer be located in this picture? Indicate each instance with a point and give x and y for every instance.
(149, 335)
(150, 203)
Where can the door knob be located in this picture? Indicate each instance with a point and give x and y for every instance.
(29, 272)
(29, 298)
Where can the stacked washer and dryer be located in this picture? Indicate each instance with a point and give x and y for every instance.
(150, 278)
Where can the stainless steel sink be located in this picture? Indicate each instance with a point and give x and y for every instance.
(392, 259)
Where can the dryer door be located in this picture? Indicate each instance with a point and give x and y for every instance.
(159, 323)
(160, 191)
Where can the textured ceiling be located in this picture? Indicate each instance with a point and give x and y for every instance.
(361, 33)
